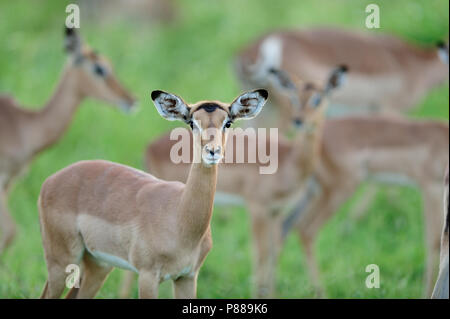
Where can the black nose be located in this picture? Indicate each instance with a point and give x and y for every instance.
(211, 152)
(298, 122)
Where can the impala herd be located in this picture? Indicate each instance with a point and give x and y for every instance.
(335, 95)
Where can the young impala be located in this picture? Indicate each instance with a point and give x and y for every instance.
(441, 288)
(106, 215)
(387, 74)
(25, 133)
(267, 196)
(360, 148)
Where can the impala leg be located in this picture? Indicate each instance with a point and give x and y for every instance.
(148, 284)
(267, 241)
(61, 249)
(54, 287)
(93, 277)
(433, 225)
(320, 211)
(7, 225)
(308, 241)
(185, 287)
(126, 285)
(361, 207)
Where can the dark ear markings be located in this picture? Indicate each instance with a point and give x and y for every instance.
(155, 94)
(335, 79)
(264, 93)
(283, 78)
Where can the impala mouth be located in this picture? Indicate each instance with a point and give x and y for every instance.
(211, 159)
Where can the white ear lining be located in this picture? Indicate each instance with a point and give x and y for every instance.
(255, 102)
(169, 110)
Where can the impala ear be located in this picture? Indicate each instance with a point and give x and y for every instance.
(283, 82)
(249, 104)
(281, 79)
(170, 106)
(337, 77)
(72, 42)
(443, 51)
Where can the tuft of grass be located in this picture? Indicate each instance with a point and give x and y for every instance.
(193, 58)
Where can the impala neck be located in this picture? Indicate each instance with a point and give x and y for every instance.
(305, 150)
(196, 204)
(49, 124)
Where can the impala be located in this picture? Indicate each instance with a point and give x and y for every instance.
(339, 154)
(387, 74)
(103, 215)
(25, 133)
(441, 288)
(359, 148)
(266, 196)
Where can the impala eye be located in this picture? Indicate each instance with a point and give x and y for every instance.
(228, 124)
(99, 70)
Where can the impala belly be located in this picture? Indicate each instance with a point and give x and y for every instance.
(101, 239)
(112, 260)
(111, 245)
(380, 166)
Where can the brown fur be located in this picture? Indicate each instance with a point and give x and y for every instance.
(418, 149)
(25, 133)
(386, 74)
(160, 228)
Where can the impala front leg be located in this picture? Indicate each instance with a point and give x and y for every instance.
(267, 242)
(148, 285)
(185, 287)
(7, 225)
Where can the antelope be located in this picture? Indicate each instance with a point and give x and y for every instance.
(359, 148)
(387, 74)
(441, 288)
(354, 149)
(346, 152)
(266, 196)
(102, 215)
(25, 133)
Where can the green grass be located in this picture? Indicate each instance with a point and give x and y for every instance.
(193, 58)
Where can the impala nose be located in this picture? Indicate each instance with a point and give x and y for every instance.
(213, 150)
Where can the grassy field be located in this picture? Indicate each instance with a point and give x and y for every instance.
(193, 59)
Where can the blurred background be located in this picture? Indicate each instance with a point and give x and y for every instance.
(189, 51)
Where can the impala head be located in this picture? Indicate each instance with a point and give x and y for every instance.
(210, 120)
(308, 100)
(95, 74)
